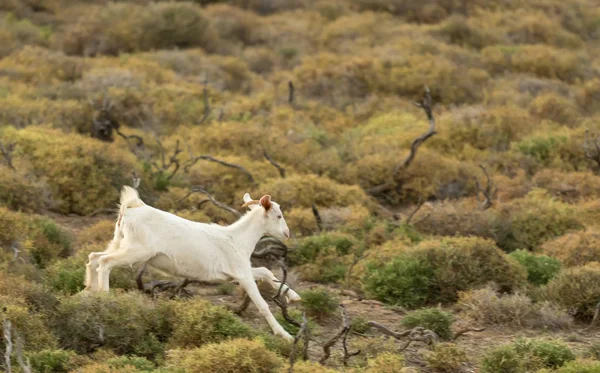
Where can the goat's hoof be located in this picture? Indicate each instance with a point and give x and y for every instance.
(287, 336)
(292, 297)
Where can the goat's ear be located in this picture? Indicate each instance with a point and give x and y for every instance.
(247, 198)
(265, 202)
(249, 202)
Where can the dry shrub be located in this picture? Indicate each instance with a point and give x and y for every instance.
(576, 289)
(446, 357)
(260, 60)
(436, 270)
(197, 322)
(40, 65)
(514, 186)
(20, 191)
(487, 306)
(36, 297)
(310, 367)
(99, 232)
(386, 362)
(304, 190)
(128, 323)
(90, 180)
(235, 24)
(29, 325)
(556, 108)
(575, 249)
(540, 60)
(568, 186)
(528, 222)
(122, 28)
(14, 34)
(302, 221)
(238, 355)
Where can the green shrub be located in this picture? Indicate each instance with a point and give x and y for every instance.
(501, 359)
(593, 351)
(359, 325)
(128, 323)
(51, 243)
(295, 314)
(540, 268)
(527, 355)
(52, 361)
(436, 270)
(238, 355)
(446, 357)
(543, 353)
(576, 289)
(310, 248)
(579, 366)
(319, 303)
(197, 322)
(386, 362)
(140, 363)
(433, 319)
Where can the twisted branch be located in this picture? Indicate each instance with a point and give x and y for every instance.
(212, 199)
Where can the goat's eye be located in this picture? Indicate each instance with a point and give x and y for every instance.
(279, 216)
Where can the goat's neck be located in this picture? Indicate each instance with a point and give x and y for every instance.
(247, 231)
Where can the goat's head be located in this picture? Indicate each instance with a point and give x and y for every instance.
(273, 221)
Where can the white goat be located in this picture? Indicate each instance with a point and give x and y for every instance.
(198, 251)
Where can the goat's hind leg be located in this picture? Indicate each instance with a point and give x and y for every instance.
(91, 274)
(122, 257)
(263, 274)
(249, 285)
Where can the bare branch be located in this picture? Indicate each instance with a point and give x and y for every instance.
(26, 367)
(342, 333)
(245, 303)
(466, 330)
(317, 217)
(412, 214)
(595, 318)
(6, 325)
(490, 191)
(591, 147)
(279, 297)
(212, 199)
(417, 334)
(302, 332)
(207, 109)
(7, 151)
(193, 161)
(275, 164)
(357, 258)
(138, 277)
(426, 104)
(291, 92)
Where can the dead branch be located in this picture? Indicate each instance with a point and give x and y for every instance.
(6, 325)
(275, 164)
(212, 199)
(193, 161)
(317, 217)
(291, 92)
(207, 109)
(426, 104)
(103, 123)
(279, 297)
(490, 191)
(7, 151)
(245, 303)
(301, 333)
(416, 334)
(357, 258)
(138, 277)
(594, 319)
(26, 367)
(412, 214)
(466, 330)
(342, 333)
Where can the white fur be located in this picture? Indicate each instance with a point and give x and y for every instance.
(198, 251)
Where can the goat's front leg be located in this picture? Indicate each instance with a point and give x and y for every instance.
(91, 268)
(249, 285)
(263, 274)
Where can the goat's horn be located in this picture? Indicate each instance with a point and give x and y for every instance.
(254, 202)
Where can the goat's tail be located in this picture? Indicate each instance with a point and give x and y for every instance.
(129, 199)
